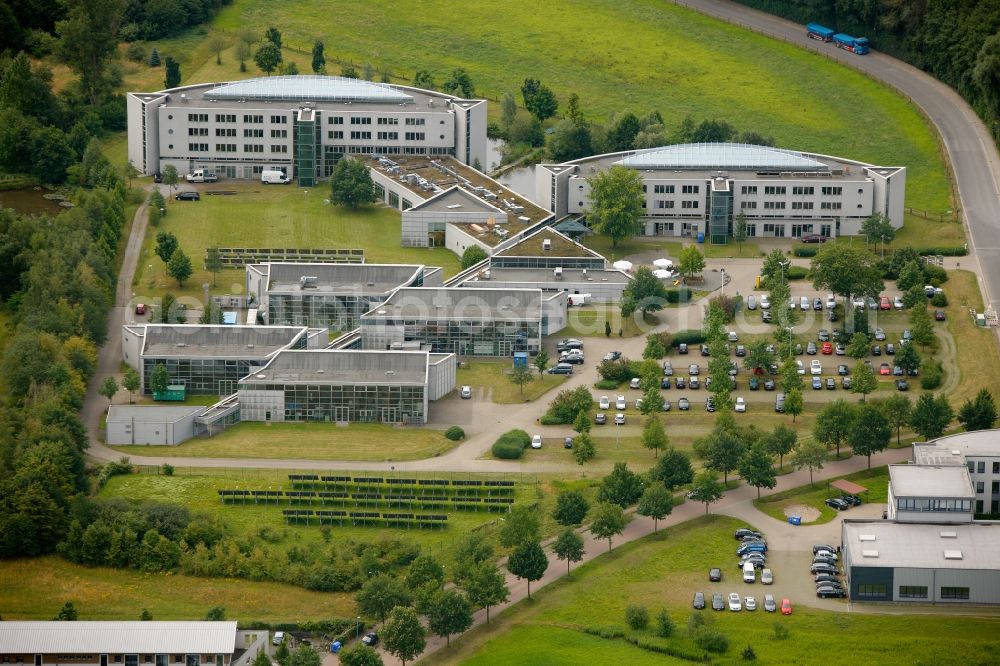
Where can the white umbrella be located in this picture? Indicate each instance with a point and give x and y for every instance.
(663, 263)
(623, 265)
(662, 274)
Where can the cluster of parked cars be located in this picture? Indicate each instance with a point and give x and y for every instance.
(844, 502)
(752, 551)
(826, 572)
(570, 354)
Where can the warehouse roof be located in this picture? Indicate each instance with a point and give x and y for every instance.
(735, 156)
(342, 366)
(930, 481)
(309, 88)
(883, 543)
(150, 413)
(559, 245)
(467, 303)
(358, 279)
(117, 637)
(239, 342)
(951, 450)
(459, 200)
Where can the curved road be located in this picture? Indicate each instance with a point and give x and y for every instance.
(966, 140)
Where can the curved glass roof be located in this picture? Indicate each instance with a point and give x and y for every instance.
(309, 89)
(722, 156)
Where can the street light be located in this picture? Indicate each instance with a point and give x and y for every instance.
(357, 627)
(723, 282)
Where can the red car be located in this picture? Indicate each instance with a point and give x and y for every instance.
(827, 348)
(814, 238)
(884, 369)
(140, 309)
(786, 607)
(884, 303)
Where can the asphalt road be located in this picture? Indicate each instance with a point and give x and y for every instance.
(967, 142)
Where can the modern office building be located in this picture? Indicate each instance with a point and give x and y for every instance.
(928, 494)
(333, 296)
(700, 189)
(979, 452)
(127, 643)
(921, 563)
(301, 125)
(467, 321)
(445, 203)
(208, 359)
(347, 386)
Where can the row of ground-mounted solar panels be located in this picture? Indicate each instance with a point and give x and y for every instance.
(397, 499)
(366, 518)
(421, 488)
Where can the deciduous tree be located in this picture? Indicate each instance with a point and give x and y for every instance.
(833, 424)
(810, 453)
(864, 380)
(870, 432)
(780, 442)
(267, 57)
(521, 526)
(616, 203)
(109, 387)
(486, 587)
(645, 293)
(897, 409)
(608, 520)
(656, 503)
(472, 256)
(356, 655)
(673, 470)
(403, 635)
(213, 262)
(568, 546)
(622, 486)
(690, 261)
(757, 468)
(88, 40)
(583, 448)
(520, 375)
(424, 79)
(846, 269)
(571, 508)
(980, 413)
(706, 488)
(351, 184)
(166, 245)
(794, 403)
(159, 379)
(179, 267)
(528, 561)
(380, 594)
(449, 614)
(653, 435)
(740, 230)
(459, 84)
(931, 416)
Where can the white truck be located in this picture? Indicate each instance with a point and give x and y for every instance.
(577, 299)
(274, 177)
(201, 176)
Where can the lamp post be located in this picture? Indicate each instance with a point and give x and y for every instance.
(357, 627)
(723, 270)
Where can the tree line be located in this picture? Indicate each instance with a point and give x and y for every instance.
(957, 41)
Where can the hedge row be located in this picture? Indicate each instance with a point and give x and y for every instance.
(689, 337)
(802, 251)
(680, 295)
(511, 444)
(944, 251)
(796, 272)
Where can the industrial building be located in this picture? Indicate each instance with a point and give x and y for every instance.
(921, 562)
(979, 452)
(300, 125)
(467, 321)
(698, 190)
(347, 386)
(924, 493)
(210, 359)
(332, 296)
(153, 425)
(85, 643)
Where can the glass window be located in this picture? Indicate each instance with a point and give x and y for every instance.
(869, 590)
(162, 660)
(131, 660)
(954, 593)
(912, 591)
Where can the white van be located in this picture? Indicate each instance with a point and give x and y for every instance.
(274, 177)
(749, 573)
(201, 176)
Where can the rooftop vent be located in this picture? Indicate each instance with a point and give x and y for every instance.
(869, 553)
(956, 452)
(308, 281)
(320, 371)
(381, 312)
(949, 535)
(182, 344)
(390, 372)
(261, 376)
(952, 554)
(866, 537)
(546, 244)
(250, 346)
(454, 206)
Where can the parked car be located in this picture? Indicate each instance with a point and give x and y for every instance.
(766, 316)
(766, 577)
(813, 238)
(817, 304)
(827, 348)
(569, 343)
(830, 384)
(694, 383)
(939, 315)
(829, 592)
(718, 602)
(822, 568)
(754, 384)
(750, 603)
(157, 177)
(779, 403)
(831, 302)
(769, 384)
(682, 348)
(710, 404)
(683, 404)
(853, 500)
(741, 350)
(699, 601)
(829, 554)
(279, 636)
(620, 403)
(680, 382)
(817, 383)
(567, 442)
(843, 370)
(561, 369)
(786, 607)
(715, 574)
(804, 303)
(665, 383)
(704, 350)
(741, 405)
(884, 304)
(747, 532)
(769, 605)
(732, 337)
(811, 348)
(600, 418)
(668, 369)
(902, 385)
(837, 503)
(822, 546)
(574, 359)
(370, 639)
(188, 196)
(735, 603)
(612, 356)
(898, 302)
(826, 578)
(897, 371)
(816, 367)
(876, 350)
(879, 334)
(890, 349)
(765, 301)
(884, 370)
(634, 383)
(818, 559)
(930, 290)
(604, 402)
(694, 370)
(823, 335)
(466, 392)
(619, 419)
(536, 442)
(846, 383)
(666, 406)
(751, 302)
(140, 308)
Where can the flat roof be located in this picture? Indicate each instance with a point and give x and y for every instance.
(150, 413)
(922, 545)
(240, 342)
(458, 200)
(569, 275)
(471, 303)
(559, 246)
(735, 156)
(82, 637)
(952, 449)
(359, 279)
(342, 366)
(930, 481)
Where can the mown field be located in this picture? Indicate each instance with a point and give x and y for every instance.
(663, 571)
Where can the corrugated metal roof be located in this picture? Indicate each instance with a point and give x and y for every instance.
(309, 89)
(117, 637)
(722, 156)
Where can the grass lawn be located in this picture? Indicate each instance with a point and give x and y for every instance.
(732, 250)
(663, 571)
(491, 376)
(35, 589)
(875, 480)
(286, 217)
(309, 441)
(975, 349)
(589, 320)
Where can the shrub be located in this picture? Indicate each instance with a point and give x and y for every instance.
(568, 403)
(511, 444)
(637, 617)
(122, 466)
(935, 275)
(711, 640)
(681, 295)
(939, 300)
(689, 337)
(664, 625)
(135, 52)
(604, 385)
(168, 469)
(654, 348)
(696, 622)
(801, 251)
(616, 371)
(748, 654)
(944, 251)
(728, 305)
(548, 419)
(796, 272)
(931, 375)
(454, 433)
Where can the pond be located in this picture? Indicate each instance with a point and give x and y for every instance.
(29, 201)
(521, 180)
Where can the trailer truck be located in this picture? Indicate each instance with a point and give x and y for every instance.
(820, 32)
(856, 45)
